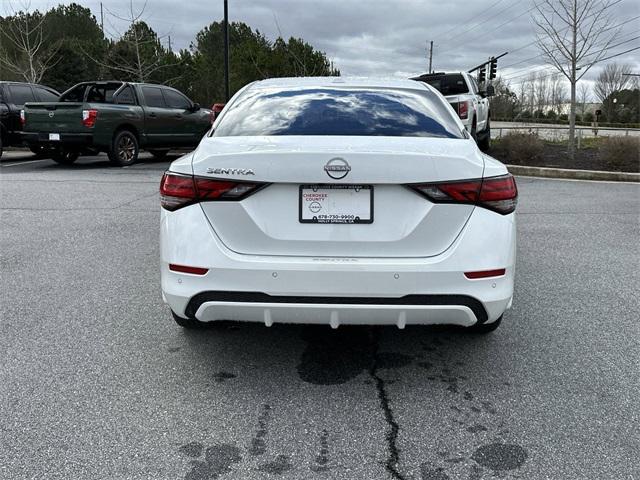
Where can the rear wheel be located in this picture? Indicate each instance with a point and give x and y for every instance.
(159, 154)
(483, 328)
(485, 141)
(190, 323)
(64, 156)
(124, 149)
(0, 146)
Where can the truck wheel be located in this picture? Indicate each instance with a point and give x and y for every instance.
(474, 131)
(485, 141)
(124, 149)
(64, 156)
(159, 154)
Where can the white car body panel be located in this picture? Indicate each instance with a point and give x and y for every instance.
(338, 274)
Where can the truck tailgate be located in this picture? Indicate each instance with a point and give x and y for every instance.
(54, 117)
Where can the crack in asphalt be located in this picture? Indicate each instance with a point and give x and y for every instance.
(393, 459)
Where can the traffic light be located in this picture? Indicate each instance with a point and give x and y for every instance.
(493, 67)
(482, 75)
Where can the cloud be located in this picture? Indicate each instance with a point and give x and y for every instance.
(376, 37)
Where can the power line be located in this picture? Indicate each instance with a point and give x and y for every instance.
(541, 54)
(473, 17)
(514, 74)
(598, 61)
(494, 28)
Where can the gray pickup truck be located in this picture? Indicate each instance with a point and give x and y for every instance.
(118, 118)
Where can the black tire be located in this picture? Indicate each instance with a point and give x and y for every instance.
(474, 131)
(484, 328)
(64, 156)
(159, 154)
(0, 144)
(124, 149)
(189, 323)
(485, 141)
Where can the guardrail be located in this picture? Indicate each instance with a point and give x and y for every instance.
(553, 131)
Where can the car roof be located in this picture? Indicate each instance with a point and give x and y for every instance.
(323, 82)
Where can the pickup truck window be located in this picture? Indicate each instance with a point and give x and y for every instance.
(153, 97)
(125, 96)
(76, 94)
(102, 93)
(176, 100)
(21, 94)
(452, 84)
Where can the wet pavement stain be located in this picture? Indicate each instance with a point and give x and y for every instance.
(500, 456)
(333, 357)
(222, 377)
(217, 461)
(193, 449)
(430, 472)
(391, 360)
(258, 442)
(279, 466)
(476, 428)
(321, 463)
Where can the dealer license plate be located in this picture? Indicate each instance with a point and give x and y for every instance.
(336, 204)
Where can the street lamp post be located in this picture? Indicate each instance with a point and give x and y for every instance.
(226, 50)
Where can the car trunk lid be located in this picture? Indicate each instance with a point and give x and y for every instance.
(404, 223)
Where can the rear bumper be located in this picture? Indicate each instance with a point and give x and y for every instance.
(66, 139)
(392, 291)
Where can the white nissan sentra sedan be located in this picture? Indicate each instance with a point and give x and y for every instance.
(338, 201)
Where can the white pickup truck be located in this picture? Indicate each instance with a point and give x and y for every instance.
(469, 102)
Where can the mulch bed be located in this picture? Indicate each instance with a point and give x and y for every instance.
(556, 156)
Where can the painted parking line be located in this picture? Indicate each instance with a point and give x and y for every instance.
(21, 163)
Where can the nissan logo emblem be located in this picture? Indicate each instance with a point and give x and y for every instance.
(337, 168)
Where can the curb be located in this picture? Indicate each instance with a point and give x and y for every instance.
(574, 174)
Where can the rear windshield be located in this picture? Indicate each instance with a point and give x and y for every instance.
(338, 111)
(448, 84)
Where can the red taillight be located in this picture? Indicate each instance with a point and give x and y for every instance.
(485, 274)
(499, 194)
(89, 117)
(177, 191)
(463, 109)
(187, 269)
(23, 118)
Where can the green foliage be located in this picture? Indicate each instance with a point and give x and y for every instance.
(80, 52)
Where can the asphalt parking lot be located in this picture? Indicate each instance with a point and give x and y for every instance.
(97, 381)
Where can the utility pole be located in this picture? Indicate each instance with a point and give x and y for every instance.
(101, 19)
(170, 43)
(430, 56)
(226, 50)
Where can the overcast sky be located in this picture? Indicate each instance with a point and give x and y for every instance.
(376, 37)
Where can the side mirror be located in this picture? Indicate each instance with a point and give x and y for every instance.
(195, 107)
(216, 108)
(490, 91)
